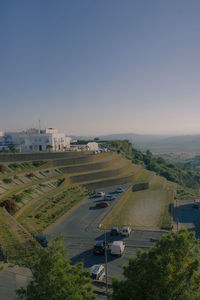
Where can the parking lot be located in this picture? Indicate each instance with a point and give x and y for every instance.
(81, 229)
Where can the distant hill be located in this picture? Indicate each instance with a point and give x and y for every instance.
(157, 143)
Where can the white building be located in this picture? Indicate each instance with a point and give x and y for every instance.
(92, 146)
(37, 140)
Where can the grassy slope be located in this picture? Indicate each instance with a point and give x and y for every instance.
(45, 210)
(145, 209)
(17, 244)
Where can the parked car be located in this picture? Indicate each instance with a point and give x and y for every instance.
(102, 204)
(117, 248)
(42, 240)
(195, 205)
(98, 272)
(99, 247)
(126, 231)
(119, 190)
(109, 197)
(115, 231)
(100, 194)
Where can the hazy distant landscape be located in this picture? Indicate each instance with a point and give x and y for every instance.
(157, 143)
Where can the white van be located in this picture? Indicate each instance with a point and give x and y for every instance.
(126, 231)
(117, 248)
(98, 272)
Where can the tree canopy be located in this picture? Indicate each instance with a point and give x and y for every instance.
(168, 271)
(54, 278)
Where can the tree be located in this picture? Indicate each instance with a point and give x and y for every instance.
(49, 147)
(169, 270)
(55, 279)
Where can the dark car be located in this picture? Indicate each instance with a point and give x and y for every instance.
(110, 197)
(119, 190)
(195, 205)
(42, 240)
(99, 247)
(115, 231)
(102, 204)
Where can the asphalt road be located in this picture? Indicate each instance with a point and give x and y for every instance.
(187, 216)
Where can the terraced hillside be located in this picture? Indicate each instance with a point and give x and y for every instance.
(44, 190)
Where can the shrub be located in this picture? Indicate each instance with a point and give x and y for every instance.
(30, 175)
(37, 163)
(18, 197)
(10, 205)
(2, 168)
(14, 166)
(7, 180)
(28, 191)
(60, 181)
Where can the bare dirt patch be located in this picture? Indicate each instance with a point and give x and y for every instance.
(147, 208)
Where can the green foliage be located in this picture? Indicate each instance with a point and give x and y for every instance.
(18, 197)
(2, 168)
(60, 181)
(184, 175)
(30, 175)
(169, 270)
(37, 163)
(54, 278)
(13, 149)
(185, 193)
(28, 191)
(7, 180)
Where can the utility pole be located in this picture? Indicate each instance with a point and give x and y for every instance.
(39, 126)
(106, 261)
(106, 258)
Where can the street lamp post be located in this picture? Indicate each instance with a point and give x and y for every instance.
(106, 258)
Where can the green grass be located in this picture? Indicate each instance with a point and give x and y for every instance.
(158, 182)
(47, 209)
(145, 176)
(17, 245)
(186, 193)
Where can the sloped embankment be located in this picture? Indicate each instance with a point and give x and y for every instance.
(17, 245)
(145, 209)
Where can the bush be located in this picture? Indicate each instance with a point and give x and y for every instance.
(30, 175)
(37, 163)
(18, 197)
(60, 181)
(28, 191)
(7, 180)
(14, 166)
(10, 205)
(2, 168)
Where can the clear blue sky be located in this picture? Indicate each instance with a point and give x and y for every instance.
(100, 66)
